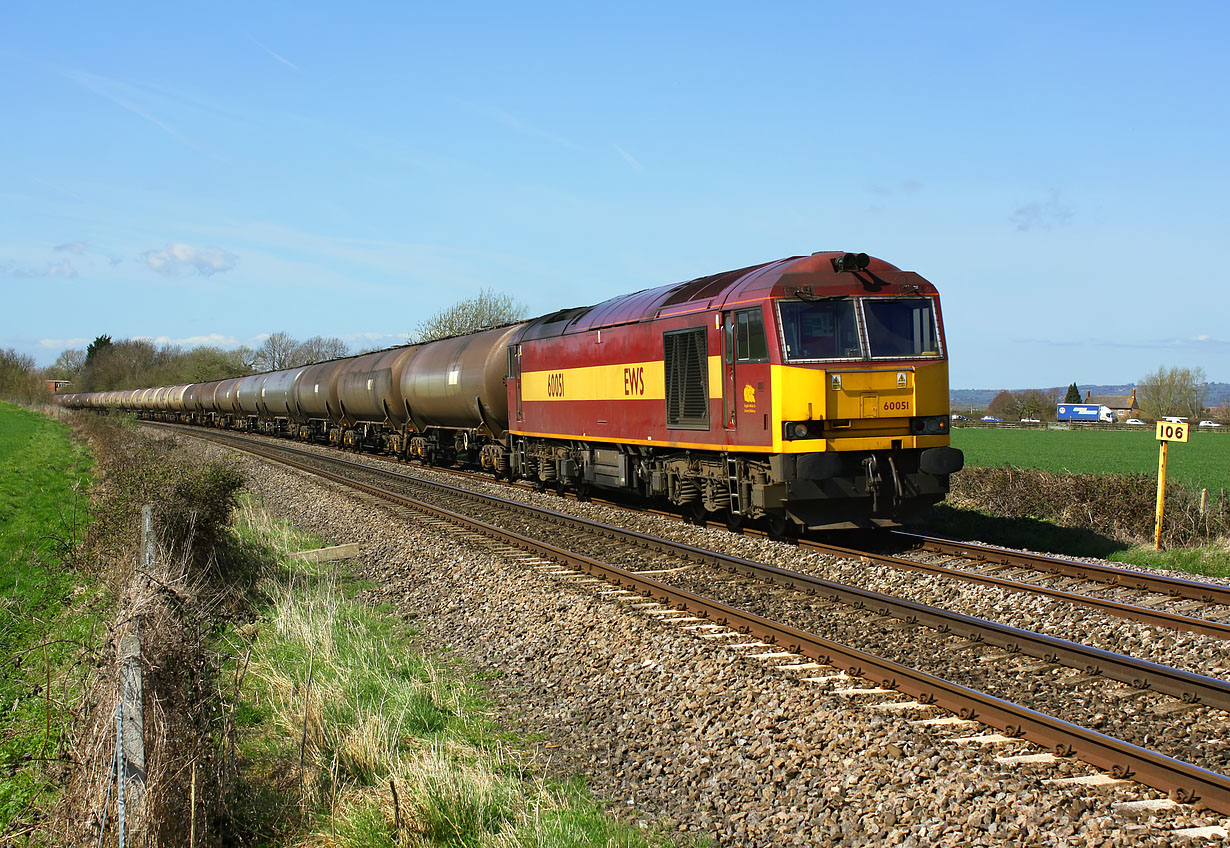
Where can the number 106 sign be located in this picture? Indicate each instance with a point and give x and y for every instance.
(1168, 431)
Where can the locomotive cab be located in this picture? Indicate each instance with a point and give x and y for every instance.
(863, 393)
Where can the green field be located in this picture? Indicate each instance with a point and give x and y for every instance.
(1204, 462)
(41, 515)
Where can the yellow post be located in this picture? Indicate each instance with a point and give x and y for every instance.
(1167, 431)
(1161, 496)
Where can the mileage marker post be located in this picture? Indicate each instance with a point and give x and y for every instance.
(1167, 432)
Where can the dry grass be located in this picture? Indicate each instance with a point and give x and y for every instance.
(350, 738)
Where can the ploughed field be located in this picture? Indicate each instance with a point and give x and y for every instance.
(1204, 462)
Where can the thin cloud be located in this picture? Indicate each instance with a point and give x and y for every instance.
(74, 247)
(287, 62)
(628, 158)
(512, 121)
(910, 186)
(1202, 342)
(386, 339)
(177, 257)
(121, 95)
(1050, 214)
(63, 269)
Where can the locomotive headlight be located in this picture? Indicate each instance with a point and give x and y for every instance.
(803, 429)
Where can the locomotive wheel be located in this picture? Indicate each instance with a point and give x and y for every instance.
(781, 528)
(560, 486)
(584, 493)
(695, 513)
(735, 521)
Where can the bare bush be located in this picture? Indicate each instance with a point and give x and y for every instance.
(486, 309)
(1118, 506)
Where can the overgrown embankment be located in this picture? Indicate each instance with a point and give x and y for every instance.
(175, 604)
(1108, 512)
(346, 735)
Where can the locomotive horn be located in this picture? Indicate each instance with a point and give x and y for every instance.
(851, 262)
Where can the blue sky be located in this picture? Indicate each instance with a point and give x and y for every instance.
(201, 172)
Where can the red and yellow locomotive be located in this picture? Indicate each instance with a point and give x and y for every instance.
(812, 391)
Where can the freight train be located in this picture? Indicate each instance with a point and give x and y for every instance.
(808, 392)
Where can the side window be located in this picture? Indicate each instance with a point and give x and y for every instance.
(752, 344)
(514, 362)
(686, 361)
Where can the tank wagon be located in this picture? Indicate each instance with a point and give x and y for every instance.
(811, 392)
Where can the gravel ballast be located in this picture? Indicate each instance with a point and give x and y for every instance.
(698, 734)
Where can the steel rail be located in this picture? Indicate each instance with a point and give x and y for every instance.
(1187, 686)
(1119, 609)
(1186, 782)
(1162, 584)
(1175, 587)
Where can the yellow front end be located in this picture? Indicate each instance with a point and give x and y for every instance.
(861, 408)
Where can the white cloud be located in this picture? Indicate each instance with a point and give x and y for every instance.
(74, 247)
(178, 256)
(61, 269)
(58, 344)
(211, 339)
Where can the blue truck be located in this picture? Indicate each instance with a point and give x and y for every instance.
(1091, 412)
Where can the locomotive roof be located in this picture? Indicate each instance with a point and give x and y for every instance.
(807, 276)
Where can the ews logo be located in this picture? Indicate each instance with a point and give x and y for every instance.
(555, 384)
(634, 380)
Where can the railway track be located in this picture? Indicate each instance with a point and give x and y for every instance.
(812, 610)
(1155, 599)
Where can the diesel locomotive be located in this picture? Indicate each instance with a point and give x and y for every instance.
(808, 392)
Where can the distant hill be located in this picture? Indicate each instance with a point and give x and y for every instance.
(1216, 394)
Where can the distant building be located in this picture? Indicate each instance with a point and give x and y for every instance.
(1122, 407)
(57, 386)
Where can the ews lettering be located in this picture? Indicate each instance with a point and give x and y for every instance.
(634, 380)
(555, 384)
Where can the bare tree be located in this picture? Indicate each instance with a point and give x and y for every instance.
(276, 352)
(319, 348)
(68, 365)
(1172, 391)
(18, 380)
(1005, 405)
(486, 309)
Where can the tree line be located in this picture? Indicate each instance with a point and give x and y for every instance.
(107, 364)
(133, 363)
(1166, 391)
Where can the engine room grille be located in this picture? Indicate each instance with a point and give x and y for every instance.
(686, 355)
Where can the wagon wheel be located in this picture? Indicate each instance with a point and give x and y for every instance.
(781, 528)
(735, 521)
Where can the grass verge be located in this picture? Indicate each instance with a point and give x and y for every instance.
(48, 612)
(1211, 560)
(345, 735)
